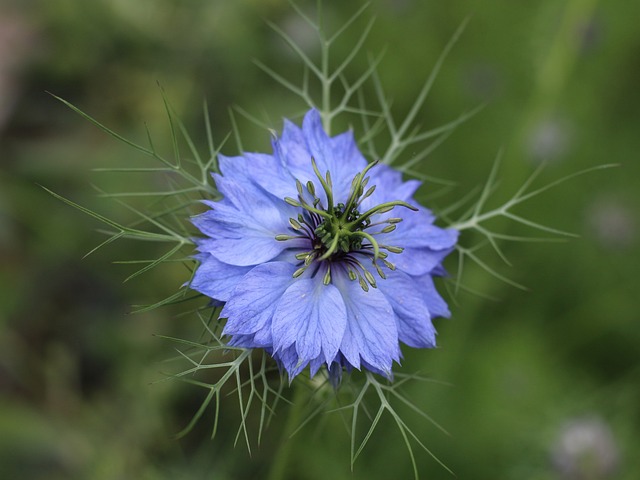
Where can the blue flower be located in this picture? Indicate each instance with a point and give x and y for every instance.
(320, 257)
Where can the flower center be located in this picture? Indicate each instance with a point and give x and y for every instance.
(337, 232)
(341, 227)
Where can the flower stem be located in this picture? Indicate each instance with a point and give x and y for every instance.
(278, 470)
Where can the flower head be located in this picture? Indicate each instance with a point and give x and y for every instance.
(319, 257)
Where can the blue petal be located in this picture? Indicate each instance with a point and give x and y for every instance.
(389, 188)
(216, 279)
(265, 170)
(371, 334)
(289, 360)
(292, 150)
(416, 230)
(244, 341)
(418, 261)
(338, 155)
(412, 313)
(315, 364)
(436, 305)
(312, 316)
(253, 302)
(243, 226)
(425, 246)
(318, 141)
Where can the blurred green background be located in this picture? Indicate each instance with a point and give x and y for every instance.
(545, 383)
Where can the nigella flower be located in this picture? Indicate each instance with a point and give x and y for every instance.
(319, 257)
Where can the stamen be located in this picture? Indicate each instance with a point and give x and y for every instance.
(374, 243)
(335, 232)
(370, 278)
(282, 238)
(357, 189)
(363, 284)
(309, 258)
(300, 271)
(390, 221)
(302, 203)
(332, 248)
(379, 270)
(389, 265)
(367, 194)
(311, 188)
(392, 249)
(366, 273)
(294, 224)
(327, 276)
(325, 184)
(383, 208)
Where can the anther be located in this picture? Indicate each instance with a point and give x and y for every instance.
(370, 278)
(392, 249)
(282, 238)
(367, 194)
(309, 258)
(300, 271)
(379, 270)
(311, 187)
(389, 265)
(327, 276)
(292, 202)
(295, 225)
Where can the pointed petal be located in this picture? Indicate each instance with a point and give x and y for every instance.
(289, 360)
(371, 333)
(435, 303)
(291, 148)
(416, 230)
(243, 228)
(252, 303)
(338, 155)
(216, 279)
(267, 171)
(315, 364)
(244, 341)
(312, 316)
(412, 314)
(418, 261)
(389, 188)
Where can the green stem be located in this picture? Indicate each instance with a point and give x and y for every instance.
(278, 470)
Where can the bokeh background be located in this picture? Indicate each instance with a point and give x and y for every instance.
(544, 384)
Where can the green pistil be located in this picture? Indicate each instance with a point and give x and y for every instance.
(326, 184)
(336, 231)
(374, 243)
(383, 208)
(357, 188)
